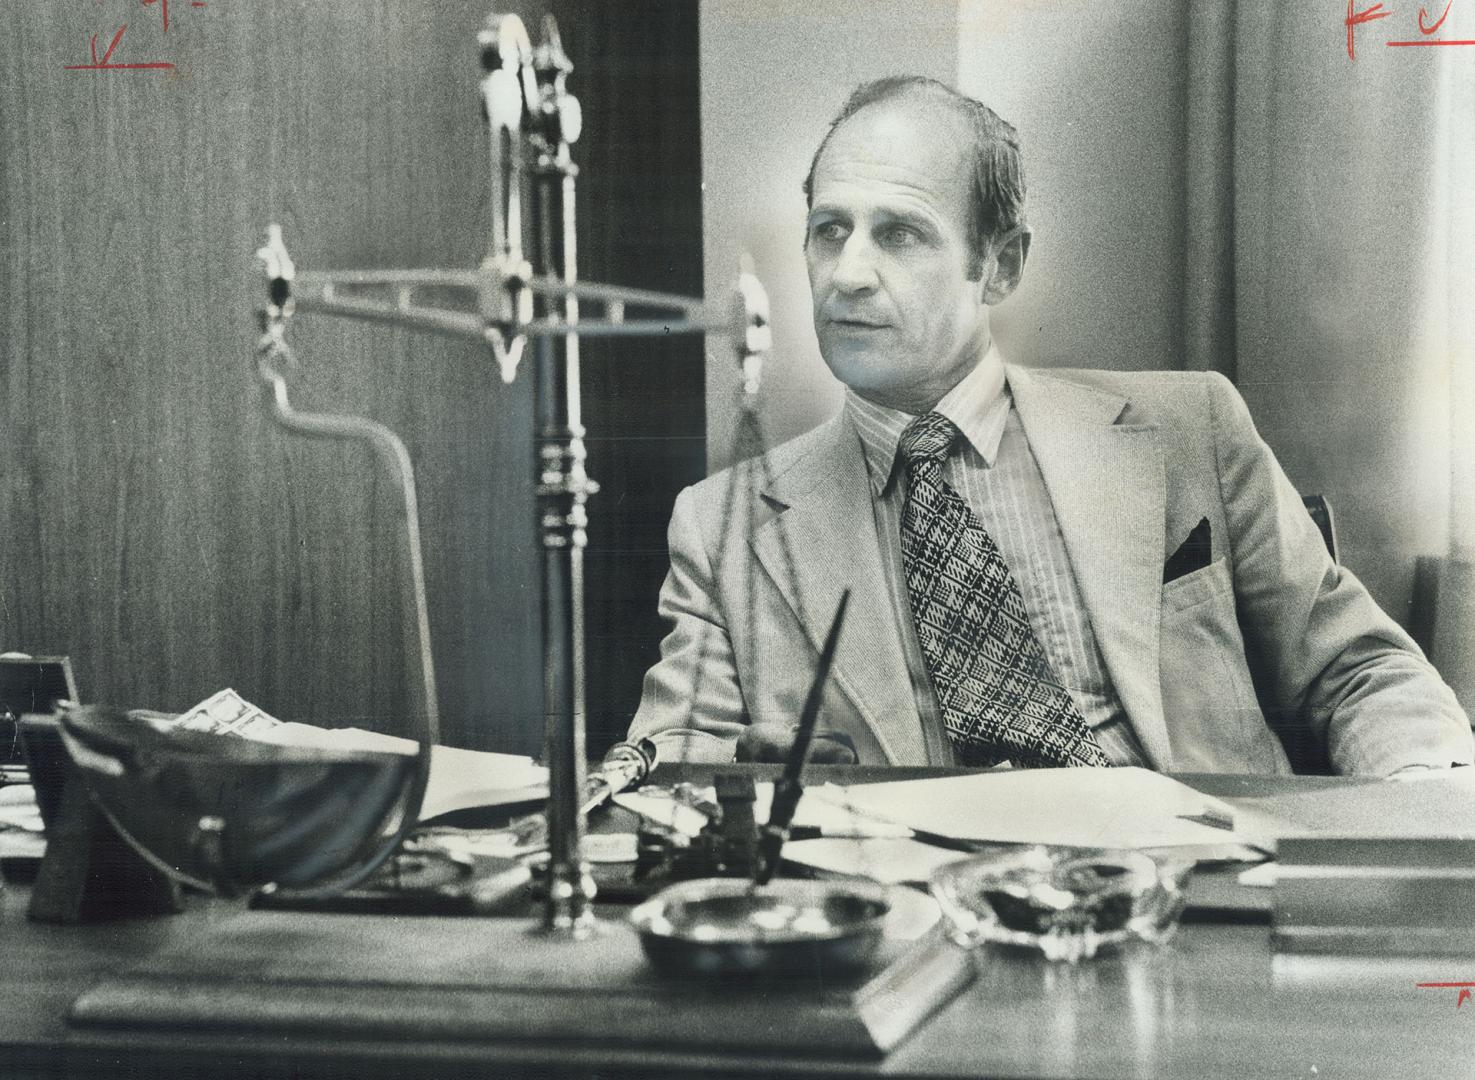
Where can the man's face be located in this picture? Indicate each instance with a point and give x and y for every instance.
(888, 255)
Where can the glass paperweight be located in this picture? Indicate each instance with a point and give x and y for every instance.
(1068, 903)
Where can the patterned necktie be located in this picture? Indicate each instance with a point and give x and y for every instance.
(1000, 699)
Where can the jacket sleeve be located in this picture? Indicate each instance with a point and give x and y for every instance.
(691, 705)
(1330, 658)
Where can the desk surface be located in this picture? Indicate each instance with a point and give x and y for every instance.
(1215, 1002)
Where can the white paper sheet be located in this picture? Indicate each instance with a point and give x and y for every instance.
(1262, 876)
(663, 810)
(889, 860)
(829, 809)
(824, 807)
(1113, 808)
(460, 779)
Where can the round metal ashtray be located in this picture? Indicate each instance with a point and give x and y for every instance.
(729, 925)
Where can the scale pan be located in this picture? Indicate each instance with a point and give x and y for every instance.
(231, 815)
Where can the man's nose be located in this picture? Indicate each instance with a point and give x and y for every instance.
(855, 269)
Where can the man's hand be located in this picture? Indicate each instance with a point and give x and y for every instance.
(772, 742)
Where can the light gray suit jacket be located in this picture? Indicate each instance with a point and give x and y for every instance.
(761, 553)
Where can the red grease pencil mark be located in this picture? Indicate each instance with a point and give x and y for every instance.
(1426, 30)
(165, 5)
(103, 65)
(1356, 18)
(1430, 29)
(1465, 989)
(111, 46)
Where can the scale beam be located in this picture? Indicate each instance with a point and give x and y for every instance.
(480, 305)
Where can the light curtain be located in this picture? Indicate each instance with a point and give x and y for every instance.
(1330, 271)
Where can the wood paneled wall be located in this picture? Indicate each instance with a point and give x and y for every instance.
(153, 523)
(644, 405)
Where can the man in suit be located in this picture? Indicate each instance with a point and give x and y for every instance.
(1073, 568)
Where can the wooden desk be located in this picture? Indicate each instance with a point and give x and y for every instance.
(1214, 1002)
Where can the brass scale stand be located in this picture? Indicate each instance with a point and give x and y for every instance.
(532, 121)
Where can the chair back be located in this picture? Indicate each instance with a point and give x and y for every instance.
(1321, 513)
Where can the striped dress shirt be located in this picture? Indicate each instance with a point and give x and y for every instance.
(994, 470)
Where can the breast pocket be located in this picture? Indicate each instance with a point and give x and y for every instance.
(1203, 584)
(1213, 717)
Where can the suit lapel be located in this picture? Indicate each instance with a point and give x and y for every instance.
(825, 520)
(1106, 483)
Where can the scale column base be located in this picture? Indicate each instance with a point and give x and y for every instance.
(568, 912)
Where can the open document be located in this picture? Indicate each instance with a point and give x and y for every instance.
(1107, 808)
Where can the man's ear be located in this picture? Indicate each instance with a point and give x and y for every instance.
(1008, 266)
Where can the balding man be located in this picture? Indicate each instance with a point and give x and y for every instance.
(1075, 568)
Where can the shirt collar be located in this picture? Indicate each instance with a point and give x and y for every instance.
(979, 405)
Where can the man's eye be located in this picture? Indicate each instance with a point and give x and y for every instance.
(899, 236)
(829, 230)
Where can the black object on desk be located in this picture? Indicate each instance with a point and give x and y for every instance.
(89, 873)
(30, 685)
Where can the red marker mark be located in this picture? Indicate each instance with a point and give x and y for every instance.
(1376, 12)
(1356, 18)
(1430, 29)
(1466, 989)
(113, 45)
(103, 65)
(165, 5)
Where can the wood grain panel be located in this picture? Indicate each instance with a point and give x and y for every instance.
(155, 525)
(641, 224)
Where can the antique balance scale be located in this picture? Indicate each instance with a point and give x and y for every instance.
(525, 307)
